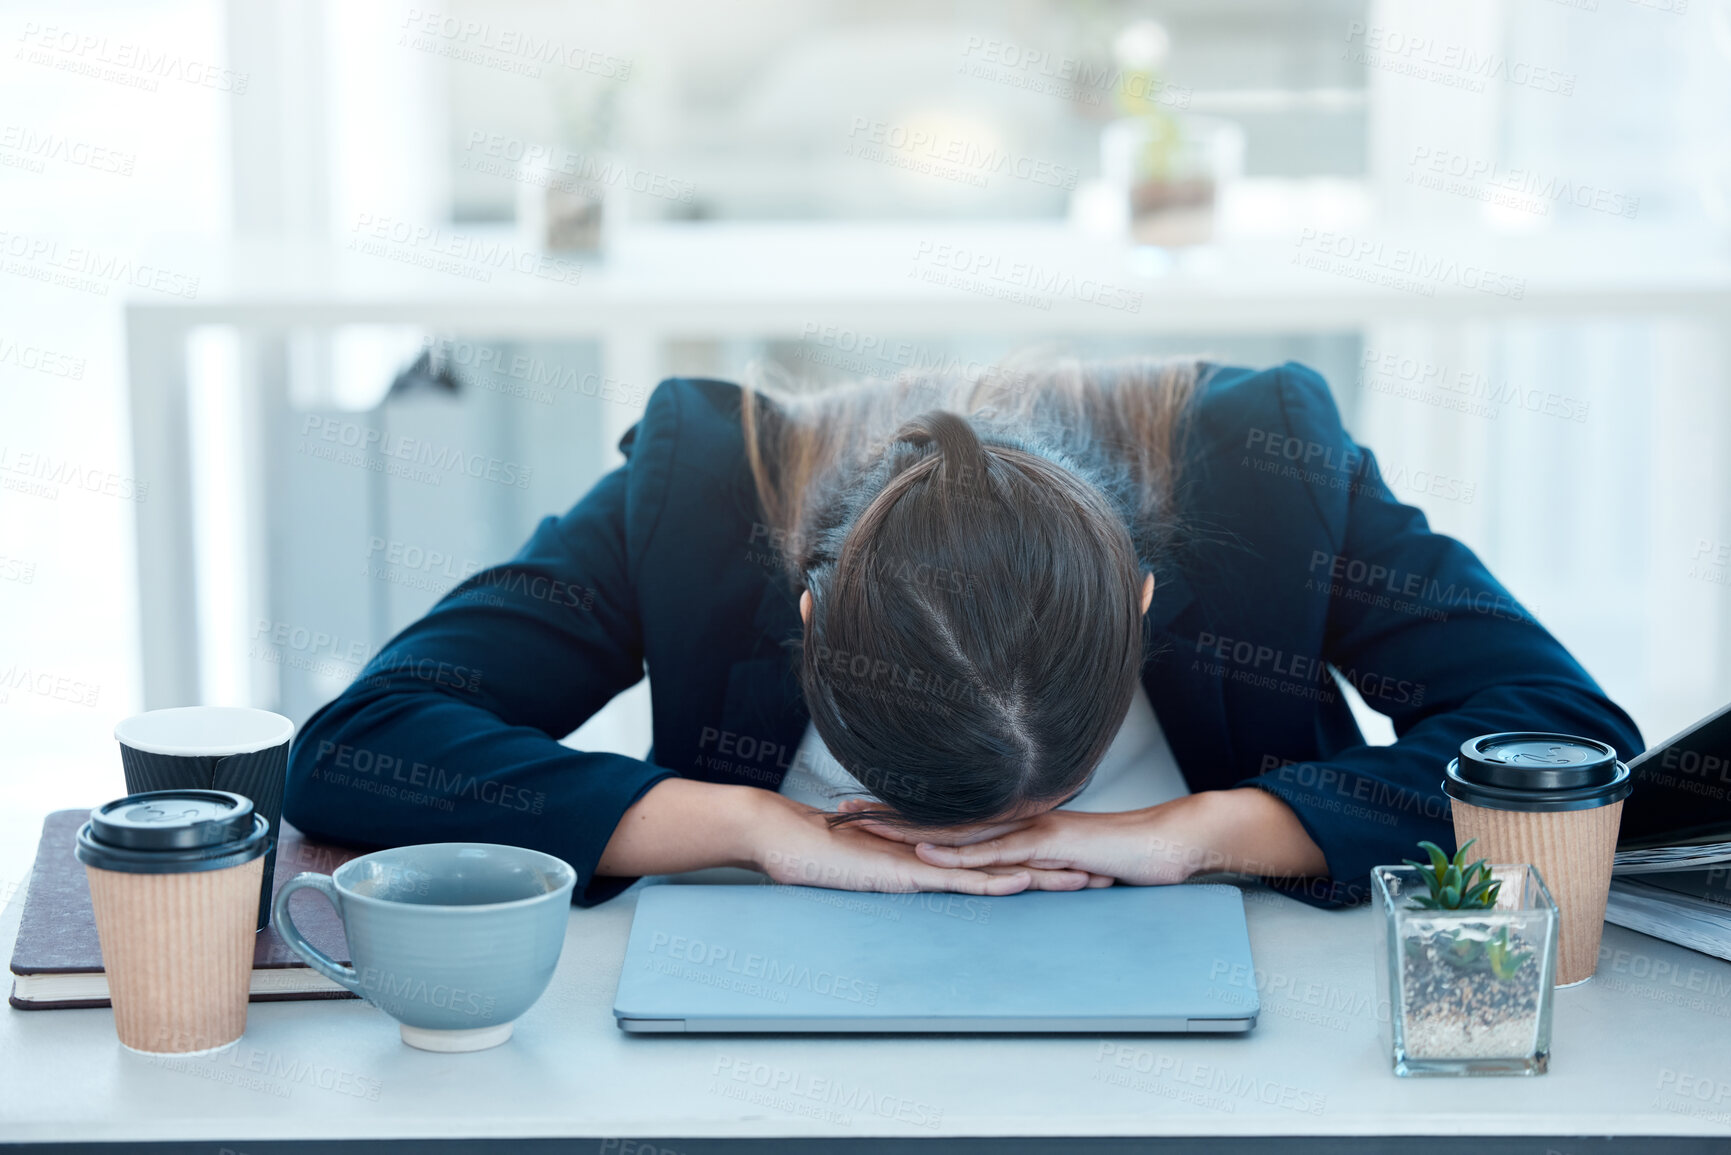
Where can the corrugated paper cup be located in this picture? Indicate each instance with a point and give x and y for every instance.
(1555, 801)
(173, 878)
(233, 748)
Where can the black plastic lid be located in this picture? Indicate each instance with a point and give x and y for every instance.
(1533, 771)
(168, 831)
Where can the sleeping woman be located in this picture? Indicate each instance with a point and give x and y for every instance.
(1069, 626)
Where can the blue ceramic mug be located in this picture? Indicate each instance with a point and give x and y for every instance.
(454, 940)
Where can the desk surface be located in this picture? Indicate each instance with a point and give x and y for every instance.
(1644, 1049)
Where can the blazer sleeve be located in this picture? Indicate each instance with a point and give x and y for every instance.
(1429, 638)
(451, 732)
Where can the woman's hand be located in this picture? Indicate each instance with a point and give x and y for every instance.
(793, 844)
(1245, 830)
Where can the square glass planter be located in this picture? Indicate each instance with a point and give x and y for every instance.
(1469, 991)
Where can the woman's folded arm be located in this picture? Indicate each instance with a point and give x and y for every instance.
(451, 733)
(1428, 637)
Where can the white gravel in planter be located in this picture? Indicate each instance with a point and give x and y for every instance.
(1453, 1038)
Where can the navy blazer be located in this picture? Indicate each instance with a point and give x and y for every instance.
(1297, 568)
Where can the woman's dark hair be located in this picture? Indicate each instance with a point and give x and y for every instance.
(976, 627)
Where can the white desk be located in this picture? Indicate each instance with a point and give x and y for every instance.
(783, 281)
(1631, 1052)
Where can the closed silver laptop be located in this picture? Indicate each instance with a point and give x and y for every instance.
(772, 959)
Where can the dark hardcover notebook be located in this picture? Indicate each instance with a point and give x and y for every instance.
(57, 960)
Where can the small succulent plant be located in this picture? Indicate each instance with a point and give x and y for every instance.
(1452, 885)
(1504, 960)
(1463, 952)
(1498, 955)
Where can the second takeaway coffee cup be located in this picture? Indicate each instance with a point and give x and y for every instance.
(1555, 801)
(233, 748)
(174, 878)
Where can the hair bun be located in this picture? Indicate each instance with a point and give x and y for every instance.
(962, 456)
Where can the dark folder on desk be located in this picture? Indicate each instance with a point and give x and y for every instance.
(57, 960)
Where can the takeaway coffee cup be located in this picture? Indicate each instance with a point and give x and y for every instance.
(174, 886)
(454, 940)
(231, 748)
(1555, 801)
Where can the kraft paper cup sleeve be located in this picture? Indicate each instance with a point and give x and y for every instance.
(1573, 850)
(178, 951)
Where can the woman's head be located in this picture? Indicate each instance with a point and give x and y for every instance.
(974, 626)
(973, 585)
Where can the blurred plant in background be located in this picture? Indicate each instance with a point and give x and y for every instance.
(563, 197)
(1139, 50)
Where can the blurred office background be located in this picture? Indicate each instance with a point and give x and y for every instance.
(293, 164)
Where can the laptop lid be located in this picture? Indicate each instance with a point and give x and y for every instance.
(1682, 788)
(1120, 959)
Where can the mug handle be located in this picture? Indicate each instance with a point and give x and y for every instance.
(346, 976)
